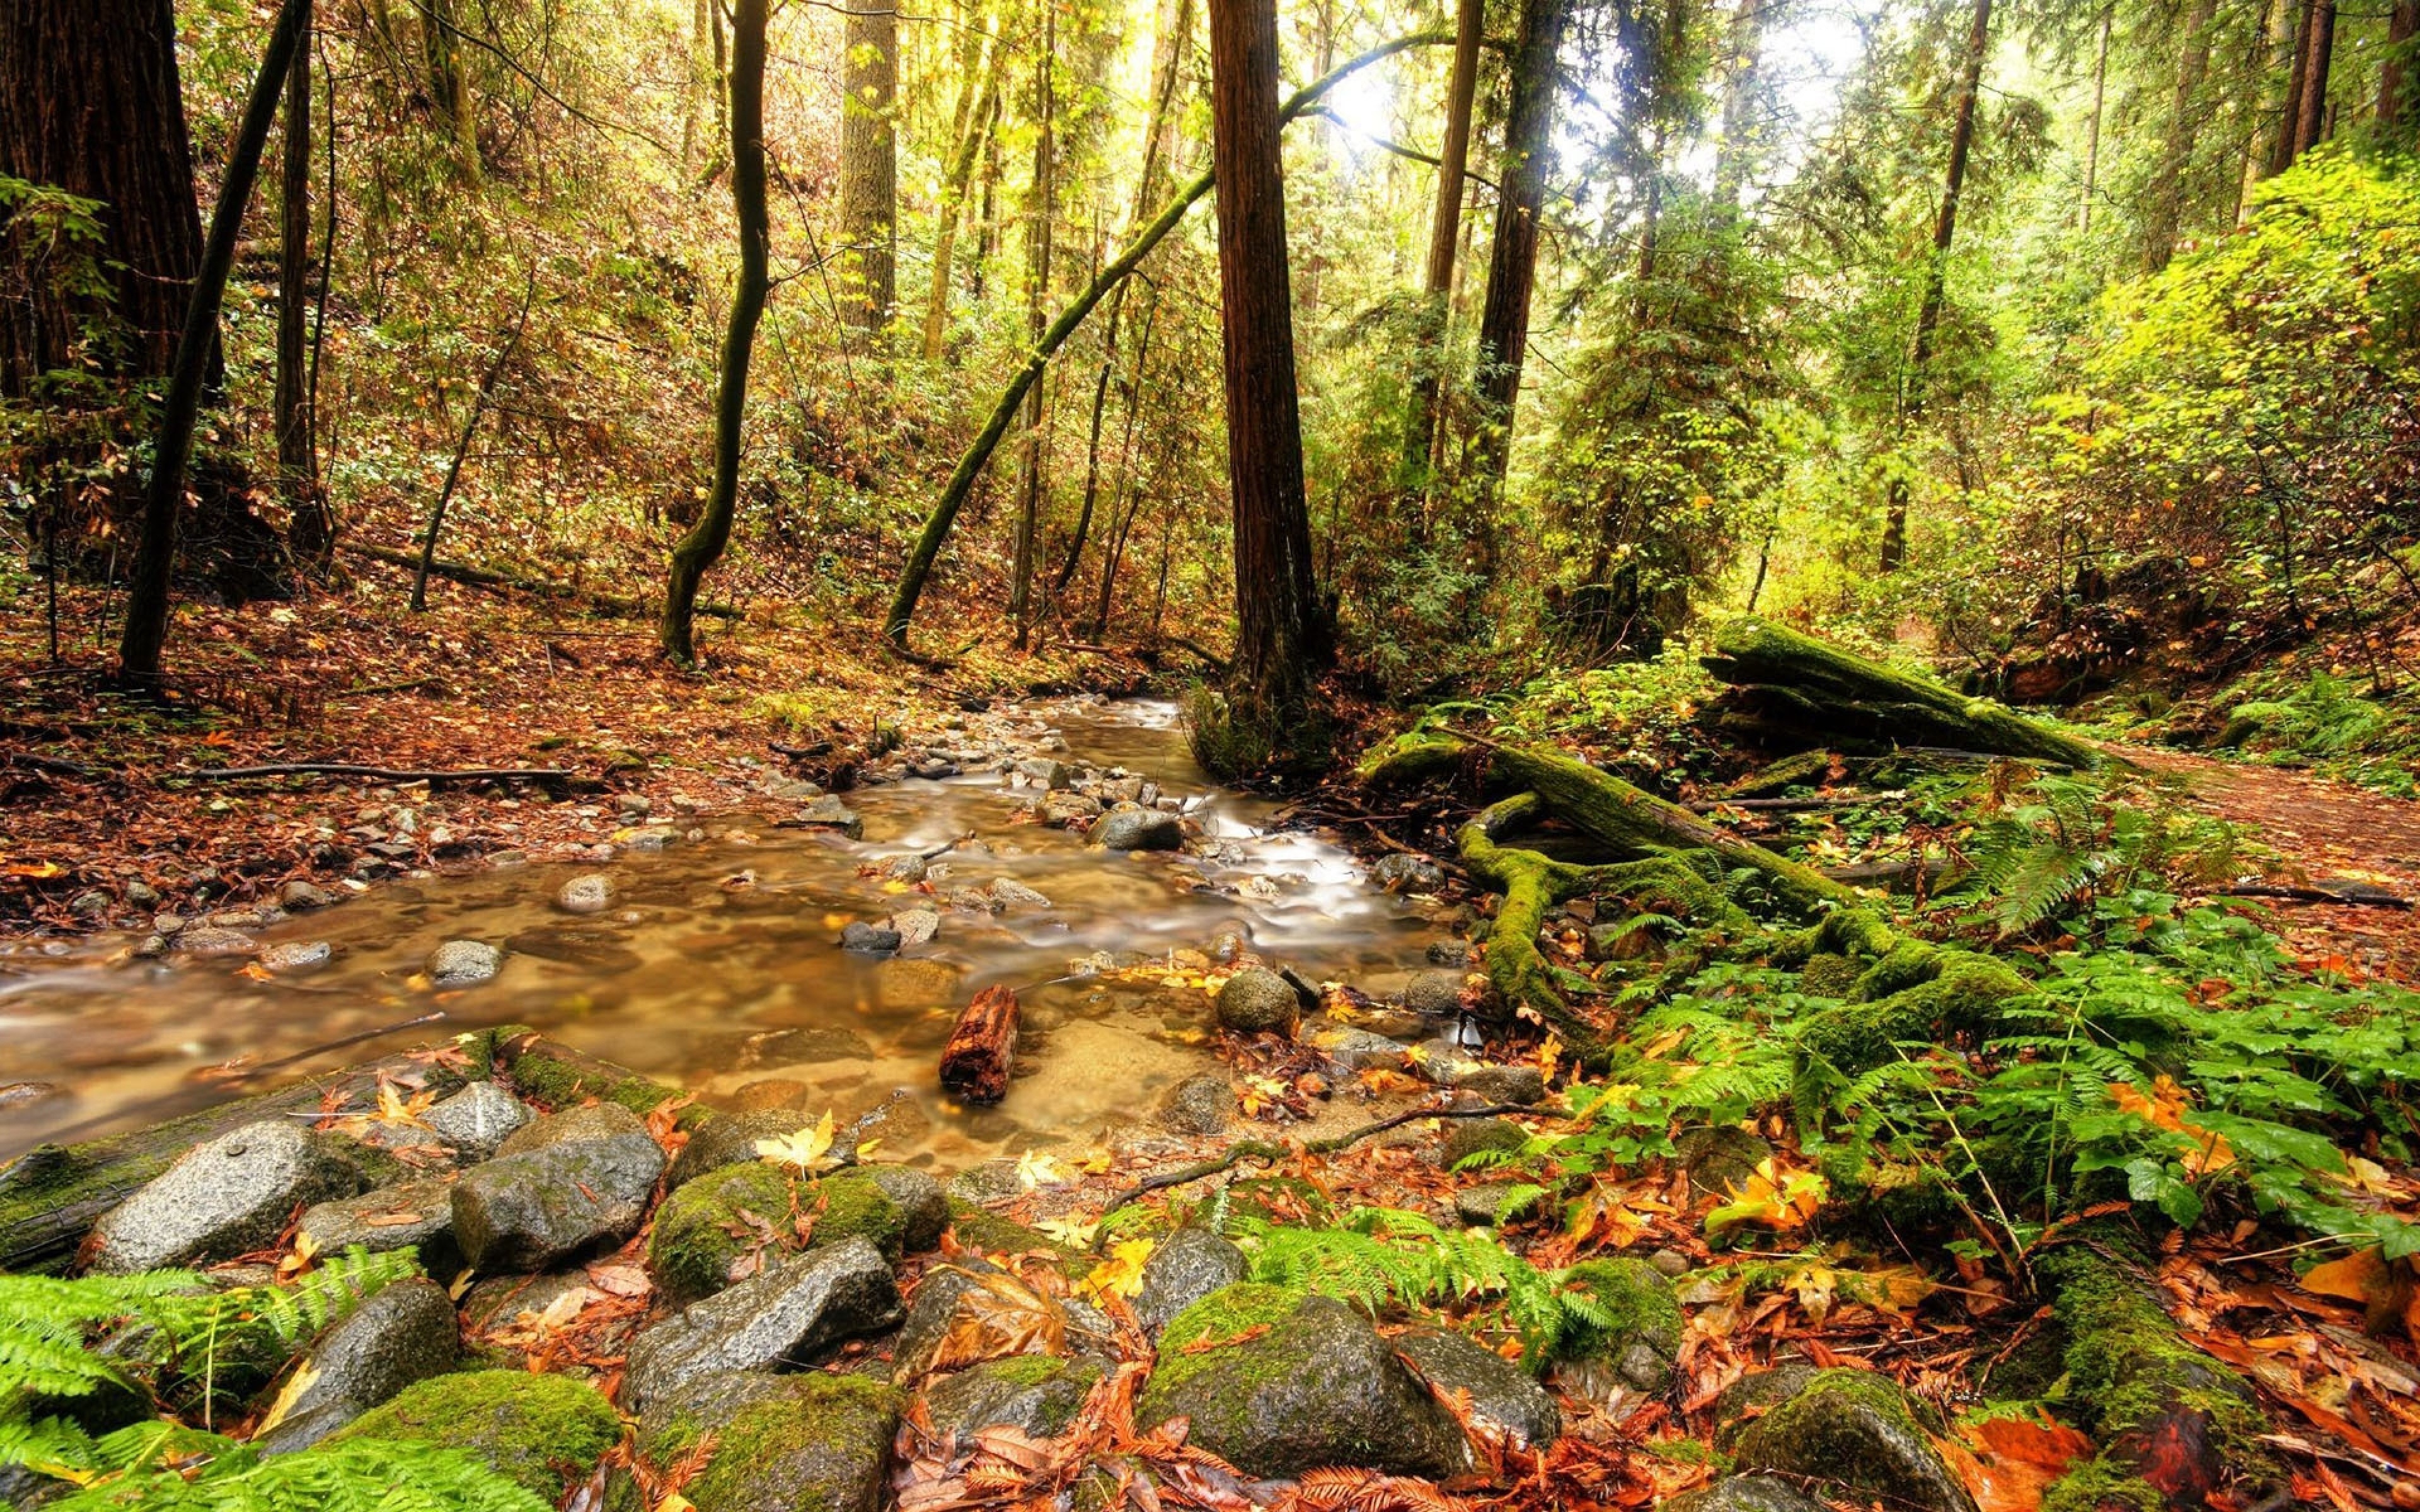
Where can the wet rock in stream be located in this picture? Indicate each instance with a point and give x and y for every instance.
(224, 1197)
(464, 963)
(788, 1315)
(1258, 1001)
(1137, 829)
(566, 1184)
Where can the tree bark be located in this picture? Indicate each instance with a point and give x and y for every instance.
(2282, 151)
(1936, 274)
(2400, 29)
(2167, 213)
(1041, 230)
(699, 548)
(147, 604)
(2312, 124)
(89, 103)
(308, 528)
(449, 82)
(1444, 235)
(1513, 261)
(869, 170)
(2092, 130)
(1279, 637)
(953, 193)
(1736, 153)
(976, 1062)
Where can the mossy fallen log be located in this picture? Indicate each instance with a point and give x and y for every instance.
(1796, 691)
(1893, 989)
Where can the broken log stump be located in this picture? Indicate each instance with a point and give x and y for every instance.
(975, 1064)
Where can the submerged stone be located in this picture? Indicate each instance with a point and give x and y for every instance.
(1137, 829)
(464, 962)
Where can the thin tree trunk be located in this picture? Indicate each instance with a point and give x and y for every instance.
(699, 548)
(1444, 235)
(2290, 124)
(1041, 231)
(1512, 262)
(2312, 127)
(692, 97)
(308, 531)
(953, 193)
(917, 569)
(2092, 130)
(869, 170)
(480, 398)
(2400, 29)
(1279, 637)
(145, 629)
(1736, 153)
(2167, 213)
(1936, 275)
(449, 82)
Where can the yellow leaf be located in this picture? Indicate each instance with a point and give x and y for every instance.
(1771, 1197)
(1034, 1168)
(300, 1381)
(802, 1149)
(1122, 1273)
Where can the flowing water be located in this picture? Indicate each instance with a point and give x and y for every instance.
(718, 965)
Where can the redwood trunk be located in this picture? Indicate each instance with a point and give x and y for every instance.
(2312, 124)
(869, 168)
(982, 1051)
(1444, 235)
(1512, 263)
(1278, 620)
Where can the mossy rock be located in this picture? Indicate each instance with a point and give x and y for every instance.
(816, 1442)
(1469, 1136)
(1854, 1428)
(854, 1204)
(1643, 1335)
(1963, 999)
(701, 1229)
(543, 1433)
(981, 1230)
(1038, 1395)
(1827, 973)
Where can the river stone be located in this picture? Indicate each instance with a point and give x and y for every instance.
(1399, 872)
(478, 1118)
(557, 1188)
(1034, 1394)
(416, 1214)
(1256, 1000)
(1856, 1429)
(1469, 1136)
(464, 962)
(1518, 1084)
(1045, 772)
(817, 1444)
(1353, 1049)
(1745, 1493)
(1504, 1398)
(1137, 829)
(920, 1201)
(1437, 993)
(1007, 893)
(209, 939)
(1319, 1387)
(829, 812)
(288, 958)
(730, 1139)
(1487, 1204)
(589, 893)
(223, 1198)
(916, 926)
(783, 1316)
(1187, 1266)
(862, 938)
(298, 896)
(404, 1333)
(543, 1432)
(1063, 808)
(1640, 1342)
(1201, 1104)
(909, 869)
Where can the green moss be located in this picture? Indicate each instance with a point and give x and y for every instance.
(1961, 999)
(1223, 1315)
(542, 1432)
(699, 1230)
(1907, 964)
(980, 1229)
(1827, 973)
(1281, 1199)
(825, 1417)
(1643, 1307)
(2098, 1485)
(2126, 1365)
(1023, 1370)
(853, 1206)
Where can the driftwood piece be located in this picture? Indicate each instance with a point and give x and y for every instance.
(1795, 690)
(975, 1064)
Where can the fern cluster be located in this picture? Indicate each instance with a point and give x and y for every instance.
(159, 1467)
(1383, 1257)
(2070, 840)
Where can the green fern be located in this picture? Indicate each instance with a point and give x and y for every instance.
(211, 1474)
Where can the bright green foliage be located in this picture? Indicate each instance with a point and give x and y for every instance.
(2061, 843)
(354, 1475)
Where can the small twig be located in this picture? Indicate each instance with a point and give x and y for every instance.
(55, 765)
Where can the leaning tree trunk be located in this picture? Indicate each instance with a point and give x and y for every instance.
(953, 193)
(147, 603)
(2092, 122)
(1735, 154)
(1444, 235)
(699, 549)
(1512, 262)
(869, 170)
(1278, 635)
(1936, 277)
(308, 530)
(89, 103)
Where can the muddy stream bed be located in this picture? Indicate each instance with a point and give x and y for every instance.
(718, 965)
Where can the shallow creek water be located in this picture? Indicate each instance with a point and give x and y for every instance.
(714, 984)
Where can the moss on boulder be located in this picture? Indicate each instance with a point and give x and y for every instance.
(816, 1442)
(705, 1227)
(541, 1432)
(1856, 1429)
(1642, 1334)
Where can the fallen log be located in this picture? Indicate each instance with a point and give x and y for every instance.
(554, 775)
(1793, 690)
(2349, 894)
(495, 580)
(975, 1064)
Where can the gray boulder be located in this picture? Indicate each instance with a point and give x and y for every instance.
(1007, 893)
(296, 896)
(406, 1333)
(1257, 1001)
(557, 1188)
(464, 962)
(478, 1118)
(862, 938)
(1044, 772)
(1139, 830)
(1353, 1049)
(1854, 1429)
(1643, 1337)
(419, 1214)
(1318, 1387)
(1504, 1398)
(1200, 1104)
(1062, 808)
(291, 958)
(1437, 993)
(1518, 1084)
(916, 926)
(221, 1199)
(730, 1139)
(1400, 873)
(1187, 1266)
(920, 1201)
(1038, 1395)
(784, 1316)
(820, 1444)
(829, 812)
(1745, 1493)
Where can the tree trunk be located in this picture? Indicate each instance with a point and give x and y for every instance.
(1512, 262)
(953, 193)
(449, 81)
(2281, 150)
(2312, 124)
(1936, 274)
(869, 171)
(308, 528)
(147, 603)
(1278, 636)
(1736, 153)
(2400, 29)
(89, 103)
(2092, 130)
(699, 549)
(2166, 213)
(480, 399)
(1444, 235)
(1041, 230)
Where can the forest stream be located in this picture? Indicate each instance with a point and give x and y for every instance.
(719, 962)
